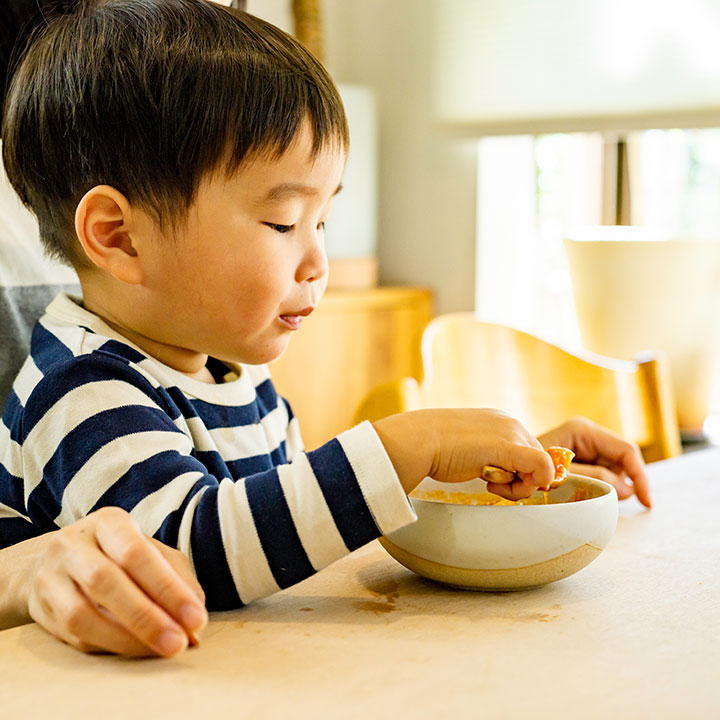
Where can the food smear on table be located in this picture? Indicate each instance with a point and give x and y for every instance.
(486, 498)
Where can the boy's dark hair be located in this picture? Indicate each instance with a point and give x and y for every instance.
(17, 20)
(149, 96)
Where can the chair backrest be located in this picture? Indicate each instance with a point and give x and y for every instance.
(470, 363)
(28, 282)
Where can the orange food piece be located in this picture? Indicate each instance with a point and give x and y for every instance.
(561, 458)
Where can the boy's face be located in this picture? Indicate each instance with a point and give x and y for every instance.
(249, 262)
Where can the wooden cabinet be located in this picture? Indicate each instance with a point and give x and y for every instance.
(355, 340)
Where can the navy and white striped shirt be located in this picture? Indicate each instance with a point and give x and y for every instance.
(217, 471)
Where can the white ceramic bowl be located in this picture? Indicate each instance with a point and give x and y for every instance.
(511, 547)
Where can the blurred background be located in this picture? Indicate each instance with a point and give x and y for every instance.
(489, 130)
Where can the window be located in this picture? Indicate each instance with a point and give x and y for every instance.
(675, 180)
(533, 189)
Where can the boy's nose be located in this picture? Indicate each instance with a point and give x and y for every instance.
(314, 265)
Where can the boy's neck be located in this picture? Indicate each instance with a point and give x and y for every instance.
(186, 361)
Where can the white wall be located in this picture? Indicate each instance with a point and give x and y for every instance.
(427, 181)
(579, 64)
(277, 12)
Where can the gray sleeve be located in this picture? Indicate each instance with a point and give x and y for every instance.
(20, 308)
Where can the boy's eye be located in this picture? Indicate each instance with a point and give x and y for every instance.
(321, 226)
(280, 228)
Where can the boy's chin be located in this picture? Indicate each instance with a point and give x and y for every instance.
(263, 356)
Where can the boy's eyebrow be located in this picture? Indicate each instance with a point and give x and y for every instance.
(285, 190)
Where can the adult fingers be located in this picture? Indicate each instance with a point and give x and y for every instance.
(60, 607)
(119, 537)
(181, 565)
(106, 584)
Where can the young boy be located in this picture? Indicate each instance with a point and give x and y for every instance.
(183, 158)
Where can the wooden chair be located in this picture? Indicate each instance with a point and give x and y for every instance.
(470, 363)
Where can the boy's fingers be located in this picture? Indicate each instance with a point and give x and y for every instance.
(605, 447)
(599, 472)
(147, 565)
(496, 475)
(617, 480)
(533, 469)
(642, 490)
(622, 456)
(631, 462)
(534, 465)
(517, 490)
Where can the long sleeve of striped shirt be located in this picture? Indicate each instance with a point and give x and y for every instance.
(217, 471)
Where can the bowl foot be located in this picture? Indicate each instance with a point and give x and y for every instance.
(500, 580)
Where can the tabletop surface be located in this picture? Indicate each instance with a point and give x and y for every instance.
(636, 634)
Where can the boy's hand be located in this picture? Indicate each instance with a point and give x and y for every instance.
(454, 446)
(101, 585)
(604, 455)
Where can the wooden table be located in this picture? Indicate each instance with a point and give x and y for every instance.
(636, 635)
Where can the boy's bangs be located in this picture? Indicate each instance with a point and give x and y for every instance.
(267, 124)
(150, 96)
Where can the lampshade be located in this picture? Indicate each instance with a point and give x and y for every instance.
(523, 66)
(639, 289)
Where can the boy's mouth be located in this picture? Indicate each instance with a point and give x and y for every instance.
(294, 320)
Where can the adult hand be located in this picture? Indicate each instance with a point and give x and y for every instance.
(101, 585)
(602, 454)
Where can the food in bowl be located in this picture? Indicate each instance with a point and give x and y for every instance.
(467, 537)
(487, 498)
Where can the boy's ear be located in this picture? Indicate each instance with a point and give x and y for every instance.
(103, 223)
